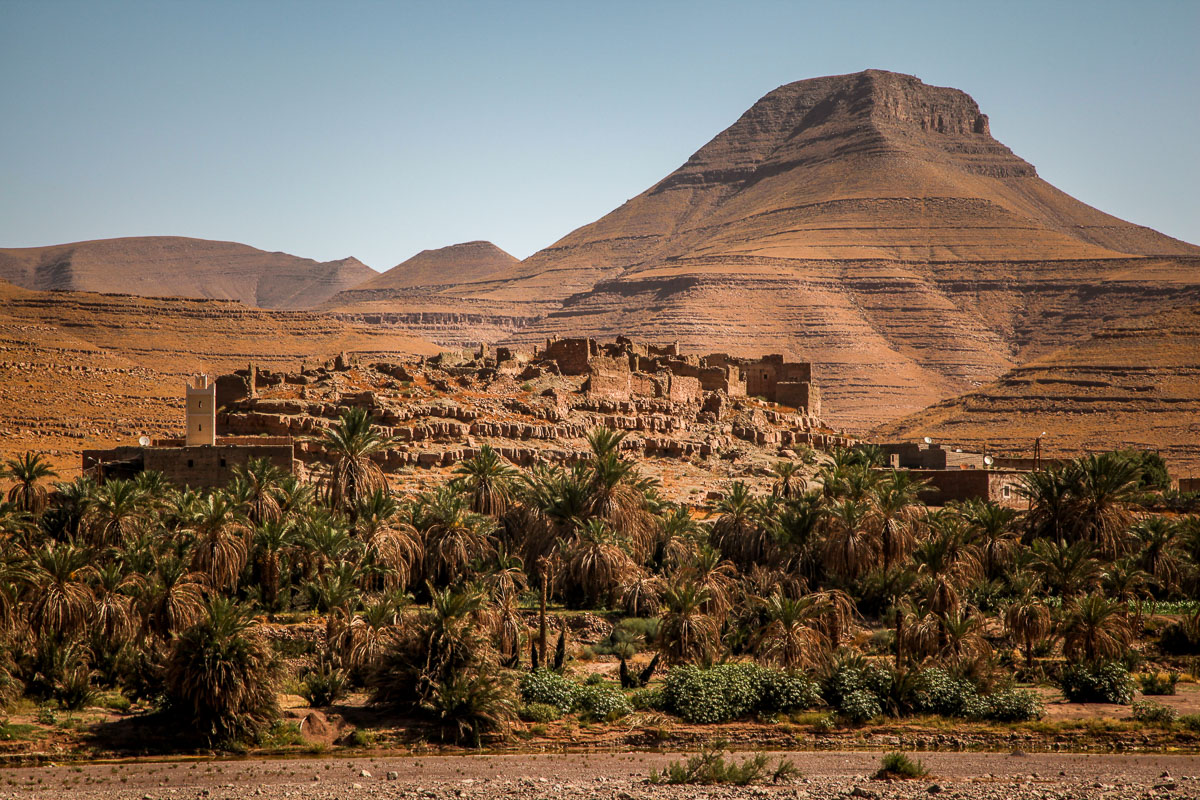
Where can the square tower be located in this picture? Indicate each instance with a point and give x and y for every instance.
(201, 412)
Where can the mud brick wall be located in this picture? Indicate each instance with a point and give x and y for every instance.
(804, 397)
(681, 389)
(999, 486)
(571, 355)
(211, 467)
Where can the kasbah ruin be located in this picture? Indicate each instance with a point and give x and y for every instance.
(536, 407)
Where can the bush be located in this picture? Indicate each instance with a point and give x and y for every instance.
(1155, 683)
(709, 768)
(323, 685)
(730, 691)
(647, 700)
(939, 692)
(898, 765)
(1106, 682)
(1191, 722)
(1010, 705)
(1153, 713)
(859, 706)
(548, 687)
(602, 702)
(539, 712)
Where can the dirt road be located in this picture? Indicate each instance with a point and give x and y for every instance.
(606, 776)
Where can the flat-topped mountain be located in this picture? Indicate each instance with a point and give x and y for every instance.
(868, 223)
(1136, 385)
(174, 266)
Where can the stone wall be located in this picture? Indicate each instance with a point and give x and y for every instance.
(944, 485)
(804, 396)
(203, 467)
(572, 355)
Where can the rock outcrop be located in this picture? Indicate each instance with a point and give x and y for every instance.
(173, 266)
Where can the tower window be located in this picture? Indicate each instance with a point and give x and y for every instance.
(190, 463)
(222, 461)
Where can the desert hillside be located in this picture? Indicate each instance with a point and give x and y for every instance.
(80, 369)
(1136, 384)
(869, 223)
(173, 266)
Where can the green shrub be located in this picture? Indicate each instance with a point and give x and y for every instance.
(1155, 683)
(730, 691)
(546, 686)
(898, 765)
(324, 685)
(1107, 682)
(1010, 705)
(859, 706)
(710, 768)
(593, 679)
(647, 700)
(538, 712)
(603, 702)
(1191, 722)
(1153, 713)
(939, 692)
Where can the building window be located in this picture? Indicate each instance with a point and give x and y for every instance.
(1004, 491)
(222, 461)
(190, 463)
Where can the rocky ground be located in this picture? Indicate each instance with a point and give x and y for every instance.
(610, 776)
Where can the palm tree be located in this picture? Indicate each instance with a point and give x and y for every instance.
(325, 539)
(453, 536)
(221, 545)
(616, 495)
(112, 616)
(789, 480)
(686, 634)
(945, 564)
(334, 593)
(391, 542)
(1051, 503)
(990, 528)
(851, 546)
(174, 597)
(489, 481)
(1095, 628)
(1027, 617)
(1067, 570)
(116, 512)
(351, 444)
(715, 575)
(1158, 551)
(678, 537)
(27, 470)
(736, 531)
(506, 579)
(63, 602)
(222, 675)
(371, 633)
(596, 563)
(257, 488)
(273, 540)
(1108, 485)
(791, 633)
(641, 594)
(964, 639)
(896, 512)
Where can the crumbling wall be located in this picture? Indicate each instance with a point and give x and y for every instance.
(571, 355)
(804, 397)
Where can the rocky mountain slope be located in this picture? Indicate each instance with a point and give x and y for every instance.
(1136, 384)
(173, 266)
(868, 223)
(81, 370)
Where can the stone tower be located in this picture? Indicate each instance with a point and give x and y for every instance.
(201, 412)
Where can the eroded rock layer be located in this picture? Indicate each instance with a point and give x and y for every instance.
(1134, 385)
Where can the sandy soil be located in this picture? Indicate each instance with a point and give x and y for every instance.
(612, 776)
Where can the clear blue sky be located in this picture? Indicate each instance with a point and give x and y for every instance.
(379, 129)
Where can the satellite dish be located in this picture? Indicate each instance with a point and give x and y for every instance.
(144, 440)
(928, 440)
(988, 460)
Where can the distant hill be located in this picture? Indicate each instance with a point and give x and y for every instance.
(79, 369)
(173, 266)
(867, 222)
(427, 272)
(1136, 384)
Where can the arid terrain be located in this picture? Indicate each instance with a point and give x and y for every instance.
(609, 776)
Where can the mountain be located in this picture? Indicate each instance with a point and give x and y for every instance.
(869, 223)
(80, 370)
(427, 271)
(173, 266)
(1136, 384)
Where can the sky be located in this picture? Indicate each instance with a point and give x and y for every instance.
(379, 129)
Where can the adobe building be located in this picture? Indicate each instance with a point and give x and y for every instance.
(945, 485)
(200, 459)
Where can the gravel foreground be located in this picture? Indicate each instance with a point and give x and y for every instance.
(607, 776)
